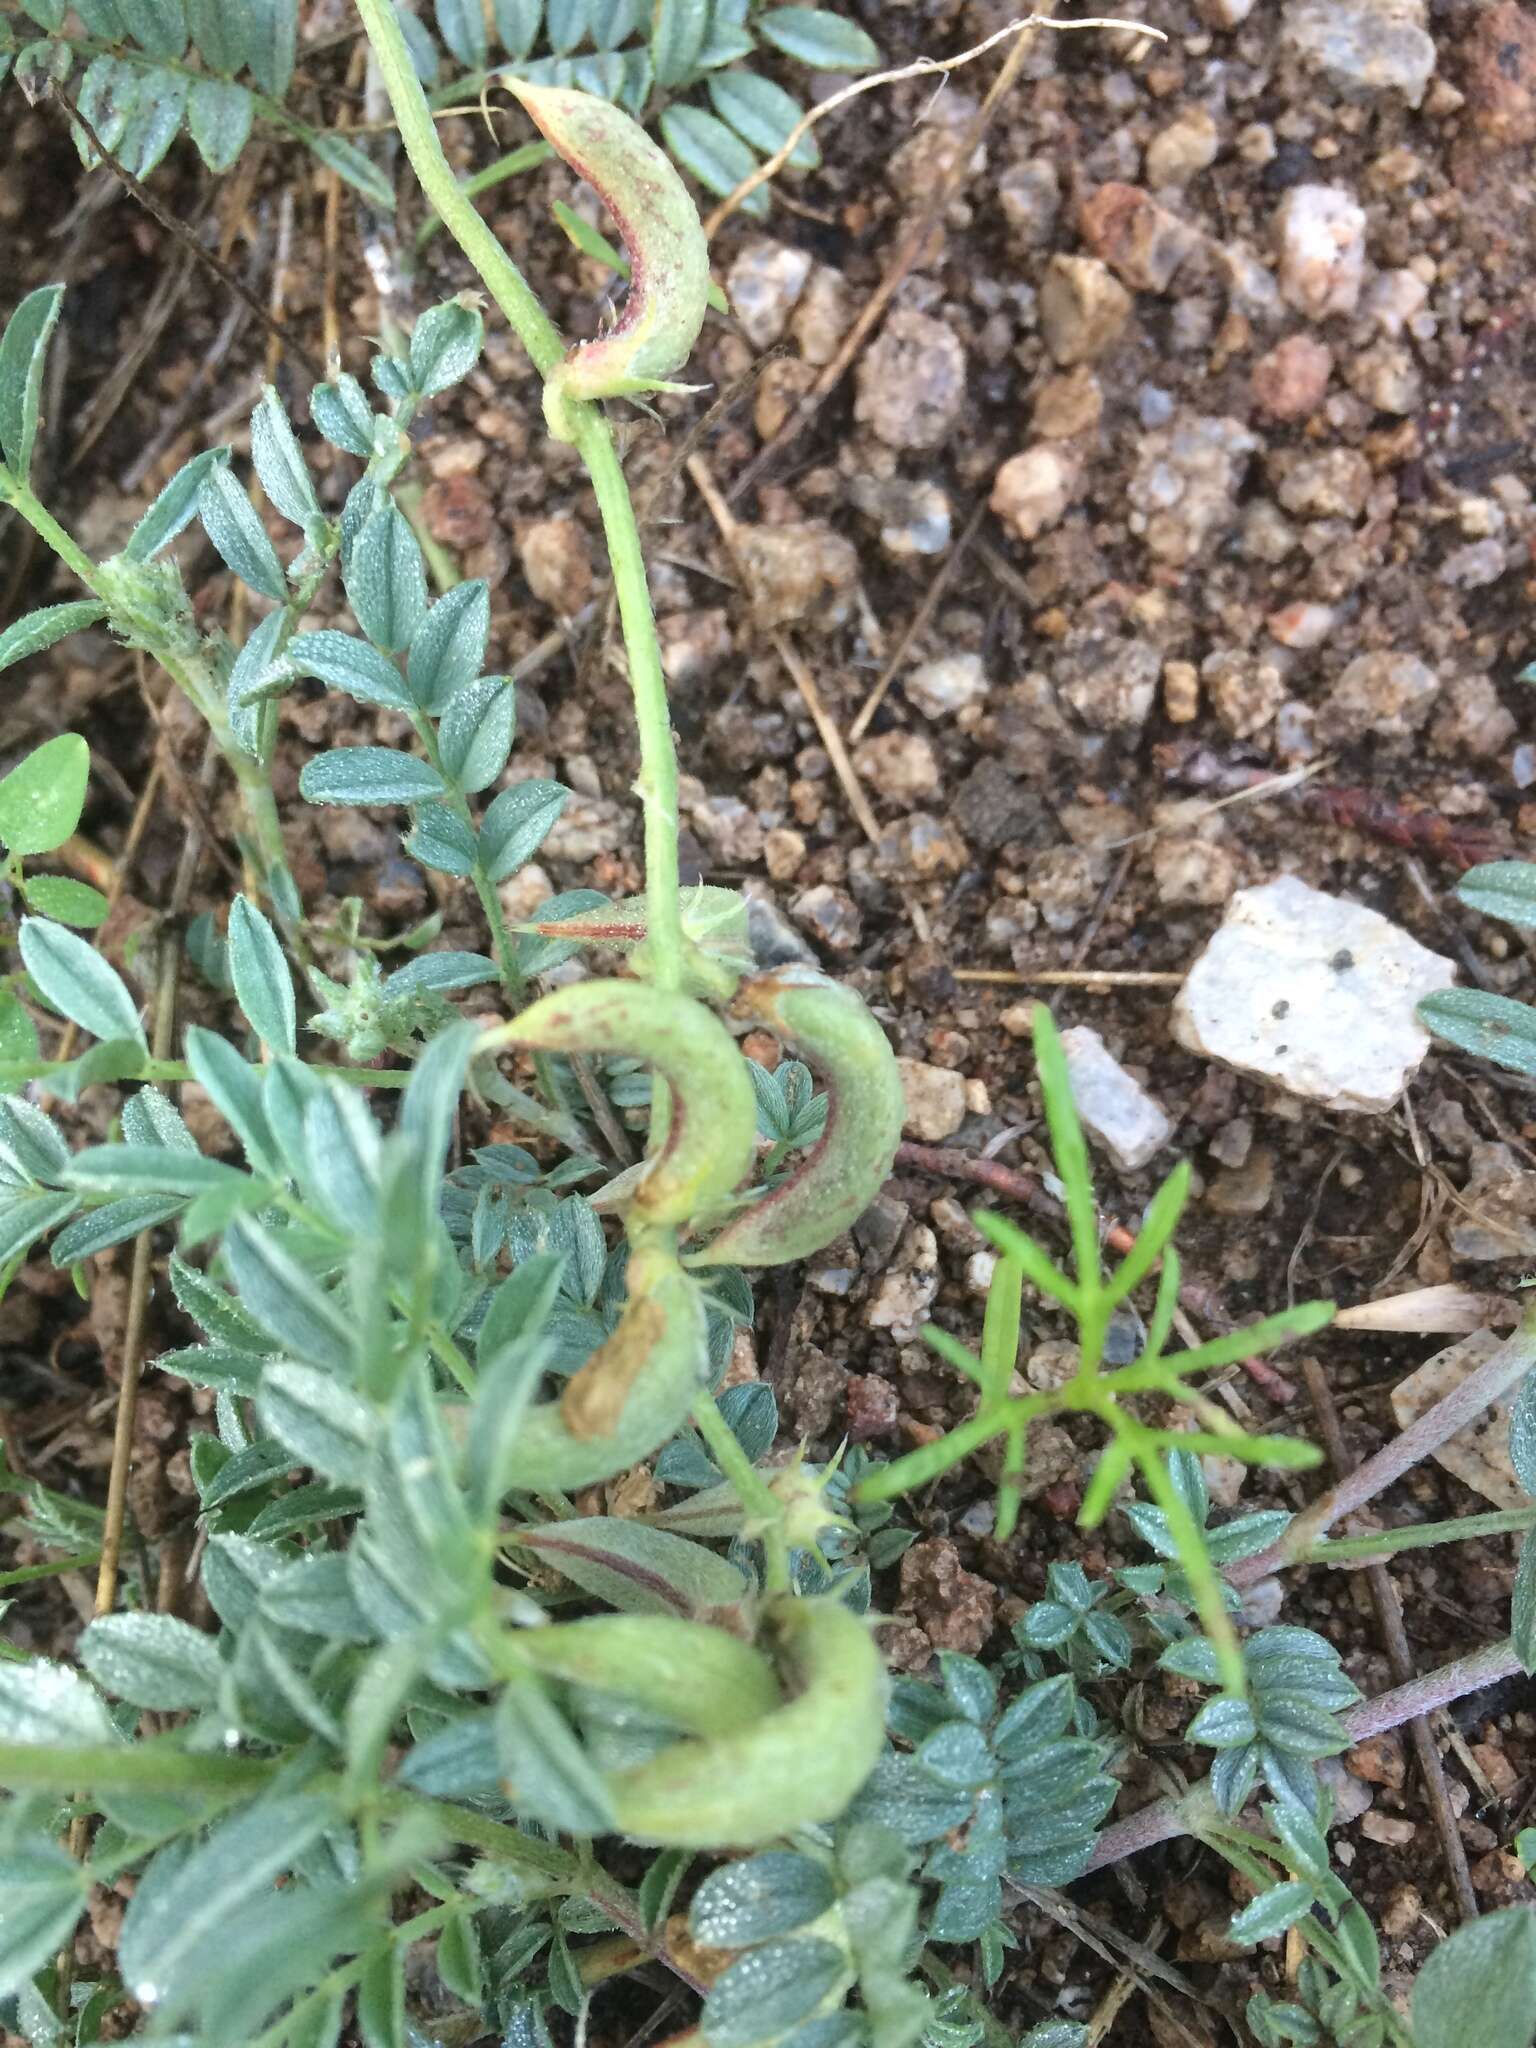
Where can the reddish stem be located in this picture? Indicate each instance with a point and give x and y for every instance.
(1165, 1819)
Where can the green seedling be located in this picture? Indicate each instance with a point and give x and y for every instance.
(1090, 1298)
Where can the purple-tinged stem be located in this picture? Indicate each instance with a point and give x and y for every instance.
(1492, 1380)
(1165, 1819)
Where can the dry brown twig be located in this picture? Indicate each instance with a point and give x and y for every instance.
(783, 646)
(1389, 1615)
(921, 67)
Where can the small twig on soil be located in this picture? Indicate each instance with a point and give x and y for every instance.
(908, 250)
(804, 681)
(918, 625)
(1494, 1378)
(183, 234)
(1075, 977)
(1389, 1615)
(1351, 807)
(921, 67)
(1164, 1820)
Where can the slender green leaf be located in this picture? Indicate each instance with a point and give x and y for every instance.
(34, 632)
(349, 663)
(354, 168)
(678, 28)
(49, 1706)
(273, 30)
(1271, 1913)
(321, 1422)
(232, 524)
(175, 508)
(43, 1892)
(23, 353)
(814, 36)
(763, 114)
(1493, 1027)
(280, 464)
(716, 156)
(220, 33)
(461, 24)
(66, 901)
(386, 580)
(74, 978)
(283, 1298)
(446, 342)
(476, 734)
(154, 1660)
(1479, 1983)
(743, 1903)
(369, 775)
(1501, 888)
(449, 646)
(769, 1990)
(516, 825)
(263, 984)
(158, 26)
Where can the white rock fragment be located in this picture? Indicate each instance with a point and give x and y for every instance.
(949, 684)
(935, 1098)
(1313, 992)
(763, 286)
(1117, 1110)
(1320, 230)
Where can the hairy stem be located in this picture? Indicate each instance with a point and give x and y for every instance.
(764, 1514)
(594, 442)
(196, 682)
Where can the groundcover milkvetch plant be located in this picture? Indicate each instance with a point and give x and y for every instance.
(398, 1733)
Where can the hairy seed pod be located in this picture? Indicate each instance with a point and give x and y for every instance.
(712, 1129)
(703, 1679)
(796, 1767)
(659, 226)
(653, 1384)
(830, 1028)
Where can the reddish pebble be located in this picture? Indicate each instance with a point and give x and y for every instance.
(1289, 382)
(1500, 73)
(873, 1409)
(1141, 241)
(457, 511)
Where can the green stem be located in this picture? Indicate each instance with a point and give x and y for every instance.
(764, 1514)
(1189, 1541)
(594, 442)
(1506, 1522)
(192, 675)
(524, 159)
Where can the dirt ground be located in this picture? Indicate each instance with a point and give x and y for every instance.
(1107, 507)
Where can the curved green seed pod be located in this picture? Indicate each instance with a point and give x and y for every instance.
(703, 1679)
(659, 226)
(712, 1130)
(638, 1387)
(830, 1028)
(797, 1766)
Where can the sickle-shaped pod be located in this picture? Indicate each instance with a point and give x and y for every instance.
(831, 1029)
(703, 1679)
(635, 1389)
(795, 1767)
(659, 226)
(712, 1128)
